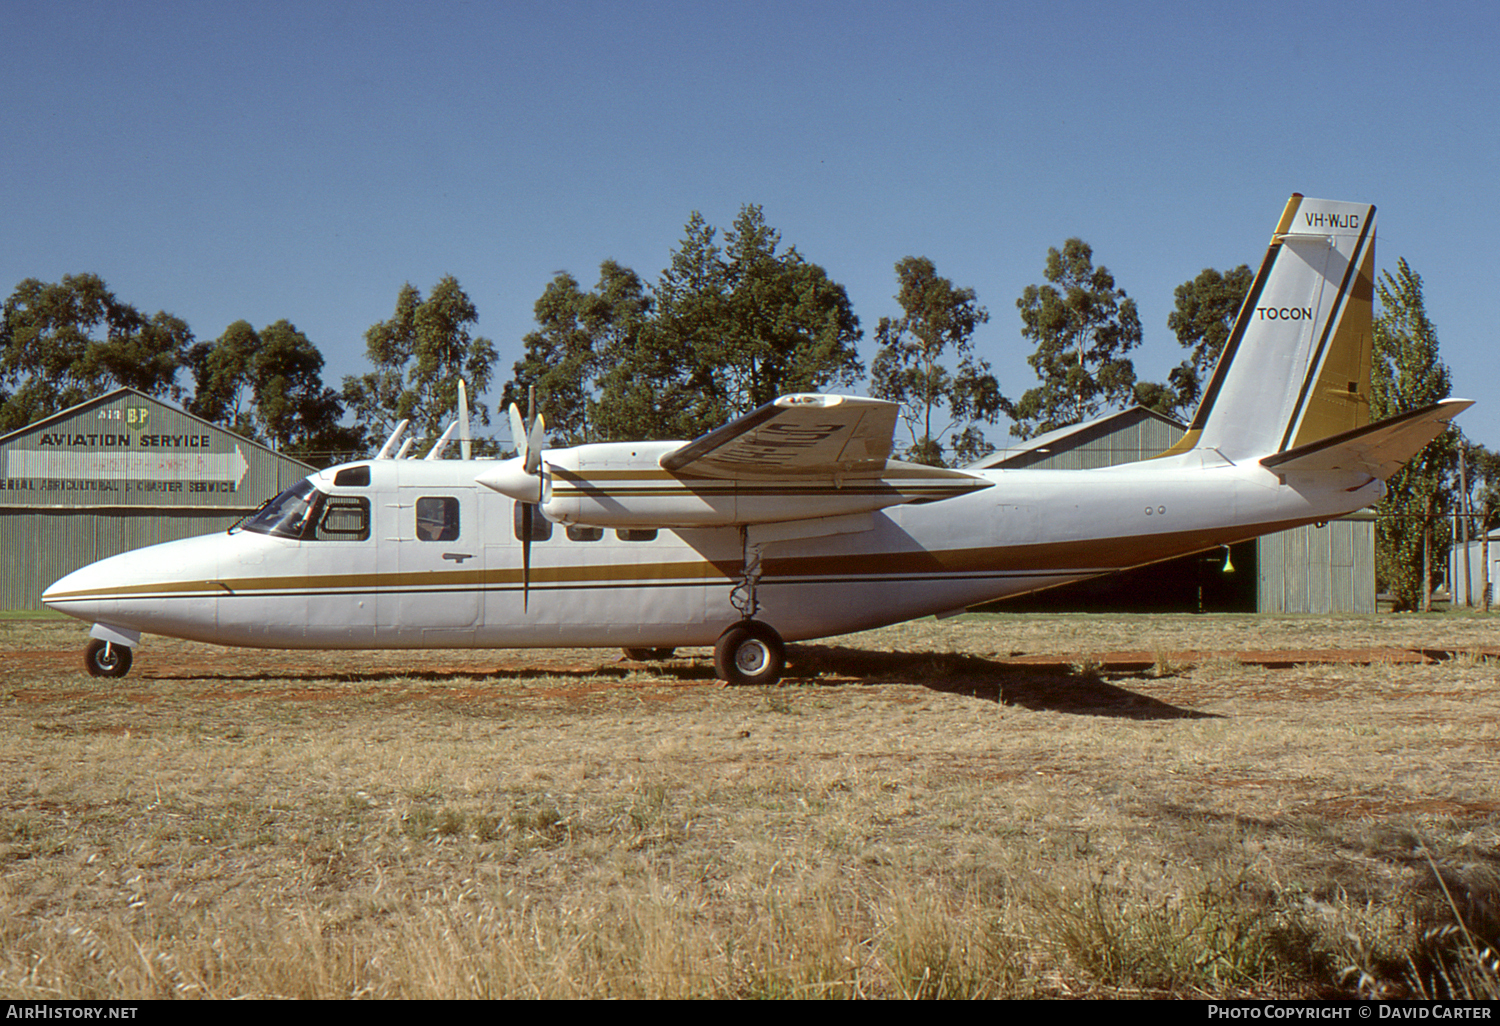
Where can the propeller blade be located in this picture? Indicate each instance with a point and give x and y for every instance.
(527, 510)
(518, 431)
(436, 452)
(390, 443)
(535, 442)
(464, 447)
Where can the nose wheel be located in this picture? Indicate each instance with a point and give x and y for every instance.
(750, 652)
(106, 659)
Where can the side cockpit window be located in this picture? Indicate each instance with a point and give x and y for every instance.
(437, 519)
(344, 518)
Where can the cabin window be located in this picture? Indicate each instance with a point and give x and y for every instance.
(345, 518)
(541, 527)
(437, 519)
(584, 534)
(635, 534)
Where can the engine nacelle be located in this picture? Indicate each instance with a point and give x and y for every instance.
(622, 485)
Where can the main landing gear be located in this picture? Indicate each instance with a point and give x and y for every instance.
(750, 652)
(106, 659)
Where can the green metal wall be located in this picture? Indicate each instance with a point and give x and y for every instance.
(52, 543)
(1328, 569)
(1134, 442)
(1126, 437)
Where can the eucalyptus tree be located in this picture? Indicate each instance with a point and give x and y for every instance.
(1083, 327)
(64, 342)
(942, 408)
(418, 355)
(1202, 321)
(581, 337)
(268, 386)
(223, 381)
(723, 330)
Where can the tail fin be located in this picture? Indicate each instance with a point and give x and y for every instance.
(1296, 368)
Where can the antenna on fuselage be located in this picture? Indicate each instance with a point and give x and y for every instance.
(401, 453)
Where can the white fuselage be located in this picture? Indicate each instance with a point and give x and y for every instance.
(396, 585)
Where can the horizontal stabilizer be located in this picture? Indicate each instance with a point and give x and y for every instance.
(1376, 449)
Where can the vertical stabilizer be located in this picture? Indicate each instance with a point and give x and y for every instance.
(1296, 367)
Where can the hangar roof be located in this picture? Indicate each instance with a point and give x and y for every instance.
(1127, 436)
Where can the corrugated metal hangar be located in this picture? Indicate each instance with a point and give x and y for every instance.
(1327, 568)
(116, 473)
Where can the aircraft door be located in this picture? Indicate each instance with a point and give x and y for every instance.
(434, 588)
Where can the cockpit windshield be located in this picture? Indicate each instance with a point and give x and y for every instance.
(303, 513)
(287, 515)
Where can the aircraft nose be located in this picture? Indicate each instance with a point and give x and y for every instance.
(131, 584)
(80, 593)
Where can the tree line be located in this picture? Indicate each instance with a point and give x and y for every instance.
(736, 319)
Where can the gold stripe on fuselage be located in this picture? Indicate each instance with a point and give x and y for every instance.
(1045, 559)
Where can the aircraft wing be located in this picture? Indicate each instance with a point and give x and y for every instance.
(796, 435)
(1376, 449)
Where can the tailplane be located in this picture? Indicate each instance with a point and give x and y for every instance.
(1296, 367)
(1377, 450)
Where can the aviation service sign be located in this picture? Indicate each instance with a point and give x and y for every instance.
(122, 453)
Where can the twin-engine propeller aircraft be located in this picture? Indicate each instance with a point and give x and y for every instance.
(791, 522)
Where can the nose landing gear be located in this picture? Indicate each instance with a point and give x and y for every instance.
(106, 659)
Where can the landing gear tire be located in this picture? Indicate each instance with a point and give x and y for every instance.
(106, 659)
(750, 652)
(648, 655)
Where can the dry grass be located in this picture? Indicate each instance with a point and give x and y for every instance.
(988, 806)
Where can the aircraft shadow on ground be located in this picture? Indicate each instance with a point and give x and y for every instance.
(1043, 688)
(604, 672)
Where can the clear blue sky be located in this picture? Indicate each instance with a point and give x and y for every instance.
(229, 161)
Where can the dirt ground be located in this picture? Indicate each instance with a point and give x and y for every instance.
(1137, 669)
(1313, 771)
